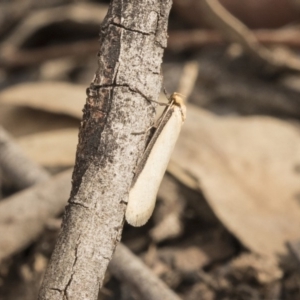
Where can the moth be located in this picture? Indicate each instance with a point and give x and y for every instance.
(154, 162)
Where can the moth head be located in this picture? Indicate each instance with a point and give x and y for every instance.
(177, 99)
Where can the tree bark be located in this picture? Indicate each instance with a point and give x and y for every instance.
(132, 41)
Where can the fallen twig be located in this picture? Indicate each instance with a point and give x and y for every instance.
(130, 269)
(182, 40)
(15, 165)
(22, 58)
(82, 13)
(238, 32)
(12, 12)
(24, 215)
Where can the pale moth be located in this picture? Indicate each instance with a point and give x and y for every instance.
(154, 162)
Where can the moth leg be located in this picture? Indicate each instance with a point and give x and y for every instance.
(158, 102)
(152, 127)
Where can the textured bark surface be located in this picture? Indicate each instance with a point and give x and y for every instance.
(132, 41)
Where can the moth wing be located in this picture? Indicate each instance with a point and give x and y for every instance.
(142, 196)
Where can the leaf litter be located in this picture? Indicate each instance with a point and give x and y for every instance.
(246, 167)
(233, 184)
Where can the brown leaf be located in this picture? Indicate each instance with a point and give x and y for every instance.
(20, 121)
(248, 169)
(261, 270)
(167, 215)
(56, 97)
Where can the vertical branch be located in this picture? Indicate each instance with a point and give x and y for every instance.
(132, 41)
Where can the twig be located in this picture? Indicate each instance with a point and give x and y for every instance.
(289, 37)
(22, 58)
(11, 13)
(130, 269)
(129, 63)
(81, 13)
(24, 215)
(182, 40)
(188, 79)
(238, 32)
(16, 166)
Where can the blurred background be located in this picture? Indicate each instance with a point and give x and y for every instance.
(227, 221)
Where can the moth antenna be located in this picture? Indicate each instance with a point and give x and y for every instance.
(159, 103)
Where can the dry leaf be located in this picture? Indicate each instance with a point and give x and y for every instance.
(255, 268)
(167, 215)
(51, 149)
(20, 121)
(193, 258)
(196, 251)
(56, 97)
(248, 169)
